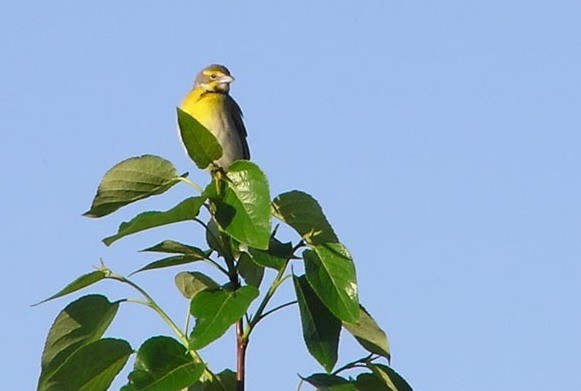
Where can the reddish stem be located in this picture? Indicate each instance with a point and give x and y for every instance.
(241, 344)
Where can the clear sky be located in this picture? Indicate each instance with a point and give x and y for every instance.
(441, 137)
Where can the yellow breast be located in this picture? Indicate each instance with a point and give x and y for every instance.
(213, 110)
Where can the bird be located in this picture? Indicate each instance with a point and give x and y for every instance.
(210, 103)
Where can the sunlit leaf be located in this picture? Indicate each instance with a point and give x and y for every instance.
(224, 381)
(81, 322)
(215, 311)
(90, 368)
(163, 364)
(331, 272)
(390, 377)
(188, 209)
(303, 213)
(243, 206)
(169, 262)
(192, 283)
(201, 145)
(132, 180)
(369, 334)
(82, 282)
(173, 247)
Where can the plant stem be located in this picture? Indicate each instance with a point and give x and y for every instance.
(153, 305)
(280, 277)
(187, 325)
(274, 310)
(241, 345)
(191, 183)
(216, 265)
(354, 364)
(242, 335)
(241, 342)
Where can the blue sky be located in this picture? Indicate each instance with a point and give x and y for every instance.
(441, 137)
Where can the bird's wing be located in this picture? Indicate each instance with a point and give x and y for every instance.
(240, 128)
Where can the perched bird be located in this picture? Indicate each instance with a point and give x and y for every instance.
(209, 102)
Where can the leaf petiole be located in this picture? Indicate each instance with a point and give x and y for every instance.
(362, 362)
(191, 183)
(153, 305)
(276, 309)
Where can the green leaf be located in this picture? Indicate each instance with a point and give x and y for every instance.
(275, 257)
(370, 382)
(327, 382)
(188, 209)
(192, 283)
(169, 262)
(82, 282)
(81, 322)
(250, 271)
(163, 364)
(173, 247)
(320, 327)
(303, 213)
(201, 145)
(331, 272)
(219, 241)
(225, 381)
(90, 368)
(390, 377)
(243, 209)
(216, 311)
(264, 259)
(132, 180)
(369, 334)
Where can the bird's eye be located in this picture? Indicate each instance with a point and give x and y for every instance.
(213, 76)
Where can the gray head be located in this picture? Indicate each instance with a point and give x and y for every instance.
(214, 78)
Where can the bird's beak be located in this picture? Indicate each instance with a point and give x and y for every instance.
(226, 79)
